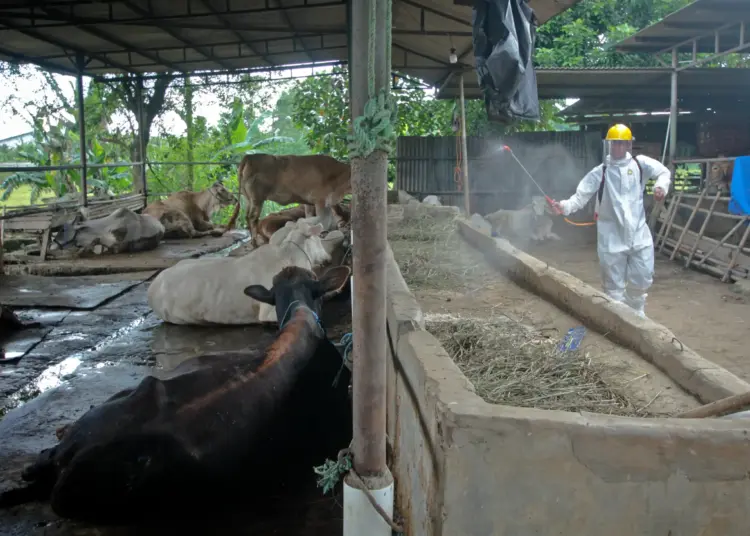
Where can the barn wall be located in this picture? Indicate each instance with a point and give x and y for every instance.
(557, 160)
(466, 467)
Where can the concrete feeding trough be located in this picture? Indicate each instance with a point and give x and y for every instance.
(464, 466)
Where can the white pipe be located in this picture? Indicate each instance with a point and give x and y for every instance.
(360, 517)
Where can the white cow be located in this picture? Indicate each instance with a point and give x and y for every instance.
(210, 291)
(532, 221)
(120, 232)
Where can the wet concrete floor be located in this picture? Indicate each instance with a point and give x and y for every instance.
(83, 358)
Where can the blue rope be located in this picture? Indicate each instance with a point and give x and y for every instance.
(347, 342)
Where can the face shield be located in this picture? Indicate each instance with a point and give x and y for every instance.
(616, 150)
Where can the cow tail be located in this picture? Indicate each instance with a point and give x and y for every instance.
(236, 212)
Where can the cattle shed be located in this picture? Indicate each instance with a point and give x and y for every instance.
(139, 41)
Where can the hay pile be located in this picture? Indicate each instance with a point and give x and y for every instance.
(510, 364)
(431, 254)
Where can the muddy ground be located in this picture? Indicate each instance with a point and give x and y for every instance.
(482, 291)
(703, 312)
(85, 357)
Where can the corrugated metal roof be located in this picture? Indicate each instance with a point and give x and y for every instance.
(625, 83)
(701, 18)
(146, 36)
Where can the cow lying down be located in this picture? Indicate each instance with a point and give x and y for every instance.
(214, 428)
(335, 217)
(188, 214)
(532, 221)
(209, 291)
(123, 231)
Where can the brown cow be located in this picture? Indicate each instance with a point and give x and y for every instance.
(188, 214)
(720, 173)
(273, 222)
(318, 180)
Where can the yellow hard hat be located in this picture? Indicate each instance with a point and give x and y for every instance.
(619, 132)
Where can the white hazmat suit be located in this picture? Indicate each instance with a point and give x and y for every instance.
(624, 242)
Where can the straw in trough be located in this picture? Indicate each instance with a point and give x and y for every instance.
(431, 255)
(509, 363)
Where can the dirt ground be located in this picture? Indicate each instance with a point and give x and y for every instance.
(697, 307)
(483, 292)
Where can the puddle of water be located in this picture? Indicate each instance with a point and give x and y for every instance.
(55, 375)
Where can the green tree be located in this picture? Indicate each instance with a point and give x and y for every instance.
(583, 35)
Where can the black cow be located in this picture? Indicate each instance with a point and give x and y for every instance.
(216, 427)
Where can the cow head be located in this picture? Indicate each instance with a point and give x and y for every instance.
(307, 237)
(222, 195)
(297, 286)
(720, 173)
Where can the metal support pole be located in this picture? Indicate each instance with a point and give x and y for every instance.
(369, 185)
(464, 150)
(672, 135)
(81, 65)
(673, 111)
(141, 121)
(189, 134)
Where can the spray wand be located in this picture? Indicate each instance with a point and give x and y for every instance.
(549, 200)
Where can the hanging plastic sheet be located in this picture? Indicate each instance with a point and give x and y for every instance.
(504, 38)
(740, 187)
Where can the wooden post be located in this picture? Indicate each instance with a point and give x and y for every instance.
(703, 229)
(687, 225)
(2, 239)
(81, 65)
(721, 242)
(736, 253)
(464, 150)
(369, 186)
(141, 121)
(677, 202)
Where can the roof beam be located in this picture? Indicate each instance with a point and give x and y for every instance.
(68, 46)
(126, 47)
(228, 26)
(185, 65)
(62, 20)
(285, 15)
(437, 12)
(46, 65)
(423, 55)
(132, 5)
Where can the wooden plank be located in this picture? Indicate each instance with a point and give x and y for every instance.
(26, 225)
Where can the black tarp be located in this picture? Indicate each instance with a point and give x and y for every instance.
(504, 34)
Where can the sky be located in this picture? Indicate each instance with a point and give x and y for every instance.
(205, 103)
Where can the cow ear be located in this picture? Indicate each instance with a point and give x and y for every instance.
(332, 281)
(261, 294)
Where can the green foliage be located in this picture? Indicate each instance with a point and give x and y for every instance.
(583, 35)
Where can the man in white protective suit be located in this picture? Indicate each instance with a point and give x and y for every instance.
(624, 242)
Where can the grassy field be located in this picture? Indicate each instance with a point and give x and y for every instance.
(19, 198)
